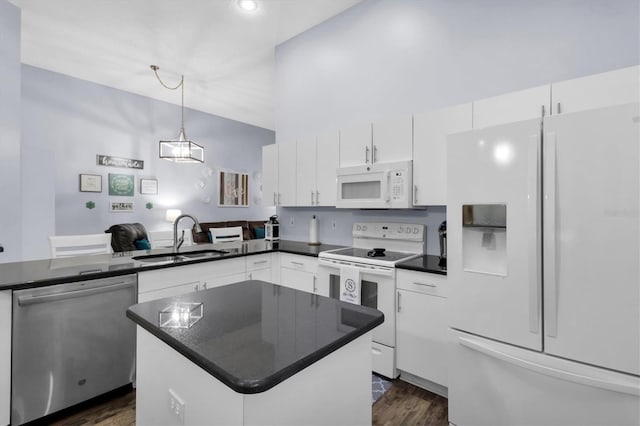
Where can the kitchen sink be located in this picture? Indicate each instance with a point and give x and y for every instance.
(179, 257)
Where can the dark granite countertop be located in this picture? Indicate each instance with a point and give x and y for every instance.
(36, 273)
(254, 335)
(424, 263)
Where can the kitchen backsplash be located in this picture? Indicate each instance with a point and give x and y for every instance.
(294, 222)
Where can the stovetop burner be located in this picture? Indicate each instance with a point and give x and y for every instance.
(365, 255)
(376, 252)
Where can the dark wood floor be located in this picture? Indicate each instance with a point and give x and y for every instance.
(403, 404)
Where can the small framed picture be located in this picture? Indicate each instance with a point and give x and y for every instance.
(90, 183)
(121, 185)
(149, 186)
(120, 206)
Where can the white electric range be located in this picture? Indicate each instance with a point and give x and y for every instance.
(377, 248)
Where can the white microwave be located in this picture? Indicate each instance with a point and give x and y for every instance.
(375, 186)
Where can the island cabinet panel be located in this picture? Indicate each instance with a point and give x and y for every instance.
(5, 357)
(421, 327)
(179, 280)
(207, 401)
(308, 397)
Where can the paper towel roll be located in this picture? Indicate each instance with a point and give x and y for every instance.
(313, 231)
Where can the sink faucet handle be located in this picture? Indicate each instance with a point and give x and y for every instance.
(181, 240)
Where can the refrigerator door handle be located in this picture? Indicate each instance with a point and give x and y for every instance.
(631, 387)
(533, 225)
(550, 282)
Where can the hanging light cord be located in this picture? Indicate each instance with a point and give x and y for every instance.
(180, 85)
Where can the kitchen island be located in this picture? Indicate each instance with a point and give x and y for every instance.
(260, 354)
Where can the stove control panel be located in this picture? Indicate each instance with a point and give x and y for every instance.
(391, 231)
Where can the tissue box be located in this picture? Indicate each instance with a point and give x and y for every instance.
(181, 315)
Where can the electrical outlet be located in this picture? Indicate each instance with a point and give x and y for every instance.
(333, 225)
(291, 221)
(176, 406)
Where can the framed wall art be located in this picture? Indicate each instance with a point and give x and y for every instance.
(120, 206)
(90, 183)
(234, 189)
(149, 186)
(121, 185)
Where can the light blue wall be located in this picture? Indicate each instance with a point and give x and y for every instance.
(389, 57)
(66, 122)
(10, 197)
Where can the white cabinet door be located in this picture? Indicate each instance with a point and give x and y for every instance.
(260, 274)
(515, 106)
(421, 336)
(596, 91)
(306, 172)
(5, 357)
(430, 151)
(172, 291)
(300, 280)
(269, 175)
(286, 174)
(591, 245)
(328, 160)
(355, 145)
(392, 139)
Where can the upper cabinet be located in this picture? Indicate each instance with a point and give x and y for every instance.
(515, 106)
(306, 173)
(392, 139)
(286, 174)
(596, 91)
(430, 130)
(270, 175)
(279, 174)
(383, 141)
(355, 145)
(327, 161)
(317, 161)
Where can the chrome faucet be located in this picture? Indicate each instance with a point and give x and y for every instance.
(177, 243)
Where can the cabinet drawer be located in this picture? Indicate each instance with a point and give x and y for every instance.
(422, 282)
(259, 261)
(300, 263)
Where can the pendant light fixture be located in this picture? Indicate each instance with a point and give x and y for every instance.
(180, 150)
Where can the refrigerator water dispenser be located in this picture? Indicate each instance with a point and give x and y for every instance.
(484, 238)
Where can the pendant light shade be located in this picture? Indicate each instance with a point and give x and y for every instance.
(180, 150)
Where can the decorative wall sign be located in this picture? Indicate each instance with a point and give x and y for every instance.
(148, 186)
(121, 185)
(120, 206)
(129, 163)
(90, 205)
(90, 183)
(234, 189)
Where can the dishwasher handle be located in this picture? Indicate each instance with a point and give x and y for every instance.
(44, 298)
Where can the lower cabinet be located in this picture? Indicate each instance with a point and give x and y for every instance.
(300, 272)
(175, 281)
(5, 357)
(259, 267)
(421, 326)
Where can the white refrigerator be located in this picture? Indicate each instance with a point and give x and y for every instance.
(544, 268)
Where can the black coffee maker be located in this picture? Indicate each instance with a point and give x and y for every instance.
(442, 234)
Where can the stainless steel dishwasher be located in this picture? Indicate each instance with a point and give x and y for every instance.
(71, 342)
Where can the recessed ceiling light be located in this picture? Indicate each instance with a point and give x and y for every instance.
(248, 5)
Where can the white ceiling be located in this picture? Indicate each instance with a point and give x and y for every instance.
(226, 55)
